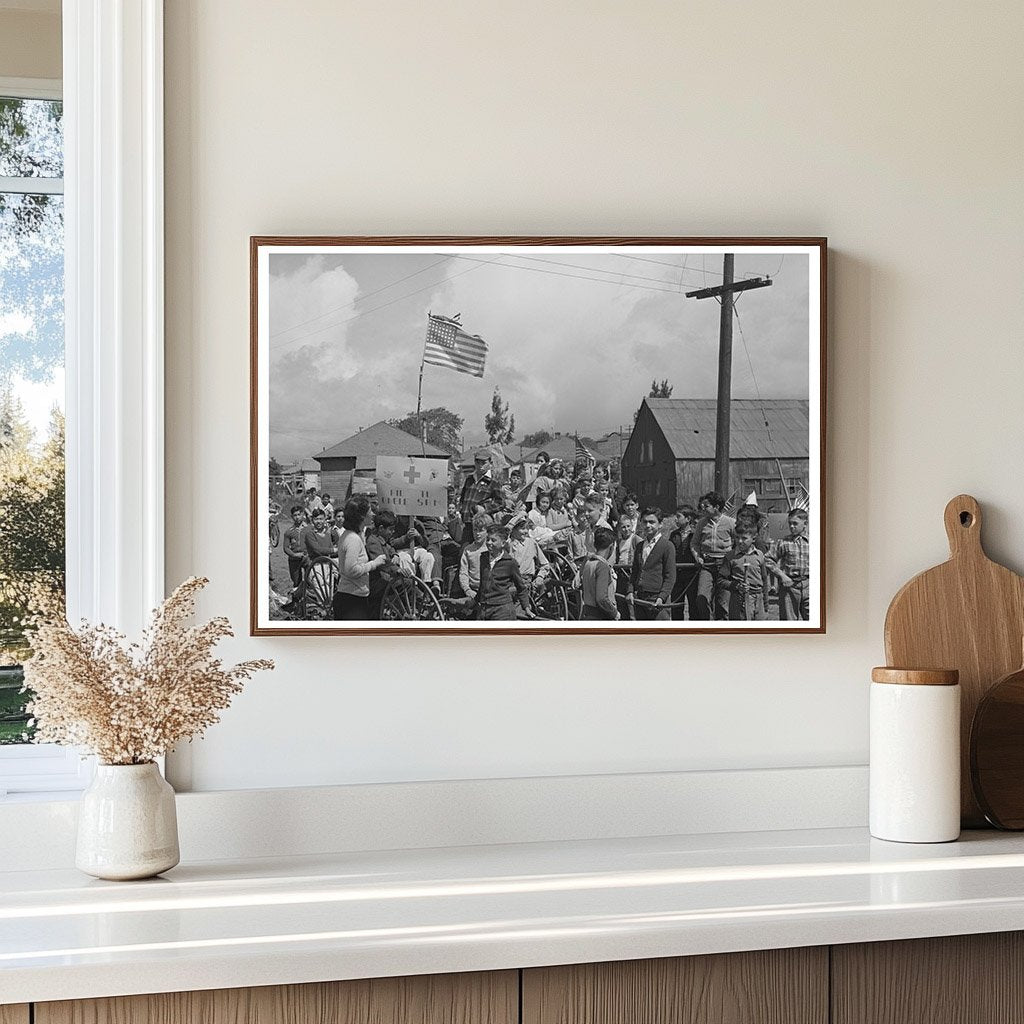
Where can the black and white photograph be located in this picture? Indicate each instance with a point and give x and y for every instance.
(537, 435)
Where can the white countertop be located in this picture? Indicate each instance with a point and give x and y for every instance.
(226, 924)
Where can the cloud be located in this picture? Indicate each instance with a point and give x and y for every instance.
(574, 339)
(313, 298)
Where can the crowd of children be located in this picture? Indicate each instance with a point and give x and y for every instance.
(499, 539)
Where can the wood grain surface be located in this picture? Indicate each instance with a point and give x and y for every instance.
(915, 676)
(14, 1014)
(967, 614)
(962, 979)
(997, 752)
(779, 986)
(481, 998)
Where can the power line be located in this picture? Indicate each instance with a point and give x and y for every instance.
(577, 277)
(596, 270)
(383, 305)
(661, 263)
(753, 377)
(360, 298)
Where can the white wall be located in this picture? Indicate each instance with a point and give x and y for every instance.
(895, 129)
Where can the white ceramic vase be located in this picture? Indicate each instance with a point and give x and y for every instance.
(127, 825)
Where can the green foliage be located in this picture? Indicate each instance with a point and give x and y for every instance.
(14, 719)
(662, 390)
(444, 427)
(31, 524)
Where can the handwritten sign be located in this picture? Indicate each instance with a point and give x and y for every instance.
(412, 487)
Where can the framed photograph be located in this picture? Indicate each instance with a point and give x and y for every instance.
(537, 435)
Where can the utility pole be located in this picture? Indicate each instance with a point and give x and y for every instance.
(723, 408)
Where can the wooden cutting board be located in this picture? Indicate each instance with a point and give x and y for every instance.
(967, 614)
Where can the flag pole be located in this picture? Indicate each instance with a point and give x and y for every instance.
(419, 396)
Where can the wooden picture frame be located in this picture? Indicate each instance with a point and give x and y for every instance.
(579, 310)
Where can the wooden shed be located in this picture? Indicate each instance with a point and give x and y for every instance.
(356, 456)
(670, 458)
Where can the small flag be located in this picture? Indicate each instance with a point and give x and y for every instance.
(449, 345)
(584, 454)
(801, 501)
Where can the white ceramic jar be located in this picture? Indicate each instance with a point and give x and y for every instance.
(127, 823)
(915, 755)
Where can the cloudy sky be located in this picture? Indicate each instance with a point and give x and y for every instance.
(574, 339)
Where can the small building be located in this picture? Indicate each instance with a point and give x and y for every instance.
(611, 447)
(670, 458)
(561, 446)
(356, 457)
(298, 477)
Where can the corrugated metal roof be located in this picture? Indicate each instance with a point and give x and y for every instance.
(689, 427)
(380, 439)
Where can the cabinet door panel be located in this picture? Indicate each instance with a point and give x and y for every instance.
(482, 998)
(14, 1014)
(960, 979)
(778, 986)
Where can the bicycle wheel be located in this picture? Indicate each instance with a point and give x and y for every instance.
(551, 602)
(409, 599)
(318, 598)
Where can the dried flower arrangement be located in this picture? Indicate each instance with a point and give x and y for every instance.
(130, 703)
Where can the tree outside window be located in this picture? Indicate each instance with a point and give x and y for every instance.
(31, 385)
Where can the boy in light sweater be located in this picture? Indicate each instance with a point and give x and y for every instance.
(469, 561)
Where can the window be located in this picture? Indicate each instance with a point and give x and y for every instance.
(32, 528)
(112, 120)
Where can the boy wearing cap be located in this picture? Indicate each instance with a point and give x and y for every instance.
(481, 492)
(532, 562)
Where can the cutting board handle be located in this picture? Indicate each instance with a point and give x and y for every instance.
(963, 526)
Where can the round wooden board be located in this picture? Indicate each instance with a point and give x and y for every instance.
(967, 613)
(997, 752)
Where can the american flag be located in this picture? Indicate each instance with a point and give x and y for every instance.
(449, 345)
(584, 454)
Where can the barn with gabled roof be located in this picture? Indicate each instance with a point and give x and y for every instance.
(670, 458)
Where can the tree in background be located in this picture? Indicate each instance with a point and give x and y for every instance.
(500, 427)
(443, 427)
(31, 524)
(31, 243)
(276, 469)
(662, 390)
(538, 439)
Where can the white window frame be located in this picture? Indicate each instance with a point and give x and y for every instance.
(114, 327)
(37, 767)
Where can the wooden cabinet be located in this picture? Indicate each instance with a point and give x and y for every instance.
(491, 998)
(777, 986)
(962, 979)
(967, 979)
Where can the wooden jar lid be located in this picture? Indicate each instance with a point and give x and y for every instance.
(916, 676)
